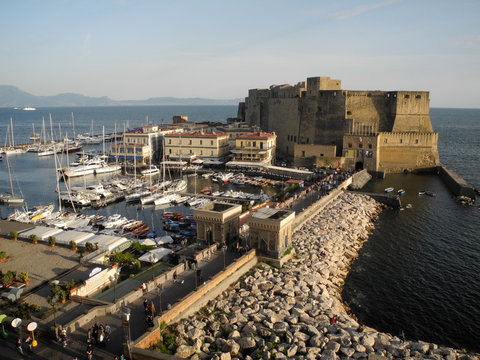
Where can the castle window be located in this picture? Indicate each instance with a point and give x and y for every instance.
(385, 141)
(349, 113)
(401, 141)
(321, 155)
(416, 141)
(295, 138)
(308, 140)
(369, 146)
(201, 142)
(369, 95)
(360, 146)
(418, 96)
(303, 153)
(350, 145)
(169, 141)
(190, 142)
(211, 142)
(169, 151)
(407, 96)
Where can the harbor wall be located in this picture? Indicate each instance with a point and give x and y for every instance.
(457, 185)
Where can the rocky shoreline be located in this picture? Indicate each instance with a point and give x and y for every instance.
(297, 312)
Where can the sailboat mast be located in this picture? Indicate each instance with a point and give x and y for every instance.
(116, 146)
(103, 139)
(73, 126)
(10, 177)
(44, 134)
(51, 127)
(11, 129)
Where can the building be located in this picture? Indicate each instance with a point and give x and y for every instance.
(142, 144)
(255, 147)
(218, 222)
(319, 112)
(271, 231)
(206, 146)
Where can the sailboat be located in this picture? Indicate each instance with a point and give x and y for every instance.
(11, 150)
(35, 136)
(11, 199)
(106, 168)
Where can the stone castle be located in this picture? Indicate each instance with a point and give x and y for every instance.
(319, 124)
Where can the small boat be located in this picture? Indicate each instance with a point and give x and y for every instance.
(207, 190)
(430, 193)
(172, 215)
(29, 108)
(150, 171)
(421, 192)
(401, 192)
(389, 190)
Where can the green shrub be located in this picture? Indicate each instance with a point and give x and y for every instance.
(34, 238)
(89, 246)
(73, 244)
(13, 234)
(52, 240)
(3, 254)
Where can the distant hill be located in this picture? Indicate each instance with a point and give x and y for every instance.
(10, 96)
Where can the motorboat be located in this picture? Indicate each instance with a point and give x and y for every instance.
(401, 192)
(150, 171)
(389, 189)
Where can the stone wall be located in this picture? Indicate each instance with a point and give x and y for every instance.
(197, 299)
(457, 185)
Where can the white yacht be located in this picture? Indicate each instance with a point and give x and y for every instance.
(150, 171)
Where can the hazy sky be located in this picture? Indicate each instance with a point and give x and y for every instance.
(220, 49)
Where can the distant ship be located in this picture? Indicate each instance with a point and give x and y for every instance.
(28, 108)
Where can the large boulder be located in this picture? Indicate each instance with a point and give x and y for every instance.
(246, 343)
(185, 351)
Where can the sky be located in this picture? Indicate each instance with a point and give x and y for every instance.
(132, 50)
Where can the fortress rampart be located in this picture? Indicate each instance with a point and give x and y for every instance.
(319, 112)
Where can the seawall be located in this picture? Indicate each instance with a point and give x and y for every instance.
(457, 185)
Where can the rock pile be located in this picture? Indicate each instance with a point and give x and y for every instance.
(297, 312)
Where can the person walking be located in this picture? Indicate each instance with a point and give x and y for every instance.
(19, 345)
(28, 341)
(89, 352)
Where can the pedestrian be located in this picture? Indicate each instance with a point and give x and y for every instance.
(174, 276)
(89, 335)
(89, 352)
(19, 345)
(144, 288)
(63, 337)
(95, 333)
(145, 305)
(28, 341)
(108, 331)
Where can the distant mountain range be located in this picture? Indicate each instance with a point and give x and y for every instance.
(10, 96)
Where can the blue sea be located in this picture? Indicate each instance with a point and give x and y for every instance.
(420, 270)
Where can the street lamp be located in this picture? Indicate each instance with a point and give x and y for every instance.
(113, 278)
(159, 289)
(224, 249)
(126, 326)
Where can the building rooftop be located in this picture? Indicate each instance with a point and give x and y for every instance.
(257, 135)
(198, 134)
(269, 213)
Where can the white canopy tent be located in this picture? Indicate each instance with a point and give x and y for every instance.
(156, 255)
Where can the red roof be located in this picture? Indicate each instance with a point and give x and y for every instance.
(197, 134)
(257, 135)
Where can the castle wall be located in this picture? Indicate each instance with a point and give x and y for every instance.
(411, 111)
(370, 108)
(398, 152)
(310, 155)
(324, 116)
(283, 118)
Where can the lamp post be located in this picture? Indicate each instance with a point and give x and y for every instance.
(126, 326)
(159, 289)
(113, 278)
(224, 249)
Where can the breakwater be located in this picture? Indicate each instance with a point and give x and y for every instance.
(297, 312)
(457, 185)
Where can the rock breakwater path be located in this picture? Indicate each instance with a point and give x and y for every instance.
(297, 312)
